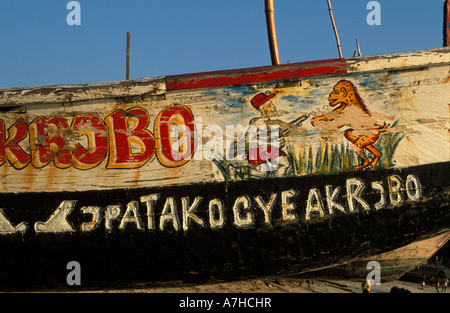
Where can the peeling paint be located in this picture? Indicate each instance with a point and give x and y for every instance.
(340, 159)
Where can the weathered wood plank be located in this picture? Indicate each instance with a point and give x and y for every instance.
(396, 97)
(177, 178)
(82, 92)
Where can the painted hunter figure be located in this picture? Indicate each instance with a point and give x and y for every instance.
(268, 158)
(353, 117)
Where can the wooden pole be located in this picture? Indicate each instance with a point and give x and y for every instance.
(128, 55)
(335, 29)
(271, 33)
(357, 47)
(447, 23)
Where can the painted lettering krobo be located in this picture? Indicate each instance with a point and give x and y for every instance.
(123, 138)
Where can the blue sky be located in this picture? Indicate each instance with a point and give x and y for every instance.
(170, 37)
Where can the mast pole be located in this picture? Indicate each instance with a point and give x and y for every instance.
(271, 33)
(128, 56)
(335, 29)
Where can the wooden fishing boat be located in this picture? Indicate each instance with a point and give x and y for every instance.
(224, 175)
(406, 263)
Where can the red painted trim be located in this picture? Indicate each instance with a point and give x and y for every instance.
(256, 75)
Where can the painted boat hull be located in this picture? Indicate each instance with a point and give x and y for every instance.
(203, 254)
(89, 173)
(403, 263)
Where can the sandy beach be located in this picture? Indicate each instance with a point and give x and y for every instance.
(277, 285)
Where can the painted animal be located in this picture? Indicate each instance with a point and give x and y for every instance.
(345, 95)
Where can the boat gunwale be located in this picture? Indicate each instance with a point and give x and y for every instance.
(20, 96)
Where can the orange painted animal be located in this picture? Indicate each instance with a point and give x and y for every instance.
(345, 95)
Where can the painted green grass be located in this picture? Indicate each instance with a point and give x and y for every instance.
(387, 144)
(343, 157)
(327, 158)
(241, 170)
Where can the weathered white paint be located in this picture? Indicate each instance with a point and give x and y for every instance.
(212, 214)
(84, 92)
(413, 188)
(132, 215)
(288, 205)
(395, 185)
(243, 215)
(6, 228)
(314, 203)
(399, 61)
(57, 223)
(216, 209)
(332, 195)
(169, 215)
(419, 97)
(355, 188)
(189, 212)
(149, 202)
(266, 207)
(376, 185)
(112, 213)
(96, 213)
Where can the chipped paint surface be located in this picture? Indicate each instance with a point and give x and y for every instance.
(273, 170)
(68, 93)
(49, 144)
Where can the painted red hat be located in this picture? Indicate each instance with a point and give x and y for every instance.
(261, 98)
